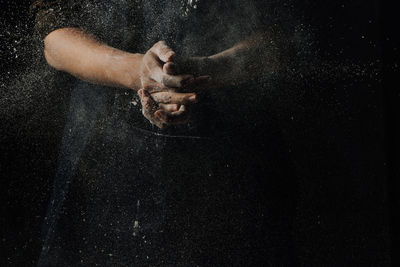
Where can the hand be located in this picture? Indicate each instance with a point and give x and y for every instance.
(171, 114)
(197, 66)
(162, 104)
(205, 69)
(164, 115)
(154, 71)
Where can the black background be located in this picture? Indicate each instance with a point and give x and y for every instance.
(342, 136)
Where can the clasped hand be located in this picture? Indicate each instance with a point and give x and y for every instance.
(167, 96)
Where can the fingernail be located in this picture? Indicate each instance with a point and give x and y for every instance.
(170, 56)
(193, 98)
(140, 92)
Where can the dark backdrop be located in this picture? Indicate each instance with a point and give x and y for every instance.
(340, 132)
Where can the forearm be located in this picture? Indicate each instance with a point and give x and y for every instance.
(74, 51)
(251, 58)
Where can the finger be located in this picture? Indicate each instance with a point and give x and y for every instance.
(148, 105)
(169, 107)
(175, 98)
(161, 118)
(149, 108)
(198, 85)
(157, 74)
(163, 51)
(153, 87)
(170, 68)
(176, 81)
(154, 66)
(192, 65)
(178, 117)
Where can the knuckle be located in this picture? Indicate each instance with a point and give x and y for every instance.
(179, 81)
(160, 43)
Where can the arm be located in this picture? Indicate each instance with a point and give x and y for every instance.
(74, 51)
(82, 55)
(251, 58)
(257, 55)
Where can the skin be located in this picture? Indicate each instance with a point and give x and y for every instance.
(161, 79)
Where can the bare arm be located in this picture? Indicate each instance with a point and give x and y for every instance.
(74, 51)
(257, 55)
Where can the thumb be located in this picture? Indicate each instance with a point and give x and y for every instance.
(163, 52)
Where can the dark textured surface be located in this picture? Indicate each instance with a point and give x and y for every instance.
(335, 128)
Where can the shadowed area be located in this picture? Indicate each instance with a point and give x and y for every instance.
(329, 107)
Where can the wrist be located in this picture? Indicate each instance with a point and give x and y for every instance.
(125, 69)
(207, 66)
